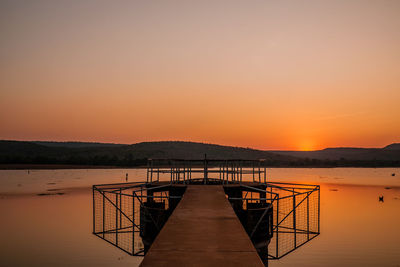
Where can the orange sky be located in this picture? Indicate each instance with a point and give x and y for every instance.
(262, 74)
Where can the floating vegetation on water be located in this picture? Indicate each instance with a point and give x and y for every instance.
(51, 194)
(333, 189)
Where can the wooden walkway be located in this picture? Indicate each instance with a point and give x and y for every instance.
(202, 231)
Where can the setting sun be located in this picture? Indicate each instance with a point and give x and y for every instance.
(306, 145)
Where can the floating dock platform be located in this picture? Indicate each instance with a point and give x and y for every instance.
(203, 230)
(206, 213)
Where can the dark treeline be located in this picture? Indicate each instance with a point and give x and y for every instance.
(318, 163)
(97, 160)
(129, 161)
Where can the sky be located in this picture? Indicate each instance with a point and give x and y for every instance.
(298, 75)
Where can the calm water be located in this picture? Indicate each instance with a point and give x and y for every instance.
(46, 218)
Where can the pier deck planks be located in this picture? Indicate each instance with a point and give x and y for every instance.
(202, 231)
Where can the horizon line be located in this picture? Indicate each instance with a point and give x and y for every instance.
(199, 142)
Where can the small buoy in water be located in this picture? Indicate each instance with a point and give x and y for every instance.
(393, 174)
(380, 198)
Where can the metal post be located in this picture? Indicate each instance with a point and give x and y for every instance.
(236, 172)
(319, 206)
(277, 227)
(104, 213)
(205, 169)
(308, 217)
(116, 219)
(226, 172)
(94, 211)
(147, 177)
(133, 224)
(223, 173)
(265, 175)
(151, 171)
(233, 172)
(294, 218)
(120, 208)
(253, 173)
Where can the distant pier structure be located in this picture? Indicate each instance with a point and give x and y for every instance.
(206, 212)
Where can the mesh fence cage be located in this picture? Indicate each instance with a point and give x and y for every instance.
(296, 217)
(126, 216)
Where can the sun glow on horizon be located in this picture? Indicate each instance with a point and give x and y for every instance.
(306, 145)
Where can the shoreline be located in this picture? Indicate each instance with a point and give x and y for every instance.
(57, 167)
(72, 166)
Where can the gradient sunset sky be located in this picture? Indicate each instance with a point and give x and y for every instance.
(262, 74)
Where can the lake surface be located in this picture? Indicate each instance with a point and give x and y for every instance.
(46, 217)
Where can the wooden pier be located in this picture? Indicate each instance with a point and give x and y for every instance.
(203, 230)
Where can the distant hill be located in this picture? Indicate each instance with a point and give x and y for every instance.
(395, 146)
(73, 144)
(388, 153)
(118, 154)
(83, 153)
(192, 150)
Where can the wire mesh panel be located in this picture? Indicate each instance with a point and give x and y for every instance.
(278, 217)
(113, 217)
(296, 217)
(130, 216)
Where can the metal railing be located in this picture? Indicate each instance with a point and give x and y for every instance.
(129, 216)
(206, 171)
(296, 217)
(293, 208)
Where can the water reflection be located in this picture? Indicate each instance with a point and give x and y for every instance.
(56, 230)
